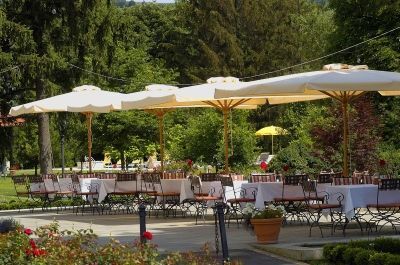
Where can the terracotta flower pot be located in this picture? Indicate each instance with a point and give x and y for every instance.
(267, 230)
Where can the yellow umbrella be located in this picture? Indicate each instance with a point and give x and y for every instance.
(271, 130)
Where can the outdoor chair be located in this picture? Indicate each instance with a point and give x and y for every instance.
(210, 177)
(63, 190)
(267, 177)
(40, 192)
(326, 178)
(202, 198)
(240, 197)
(174, 175)
(385, 213)
(345, 181)
(161, 201)
(84, 197)
(317, 203)
(105, 175)
(21, 187)
(125, 193)
(294, 205)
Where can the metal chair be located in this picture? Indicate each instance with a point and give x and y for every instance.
(268, 177)
(385, 213)
(87, 197)
(315, 207)
(62, 191)
(40, 192)
(124, 195)
(210, 177)
(325, 178)
(240, 196)
(21, 187)
(293, 204)
(202, 198)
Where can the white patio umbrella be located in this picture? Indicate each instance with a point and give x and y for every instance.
(343, 83)
(203, 96)
(86, 99)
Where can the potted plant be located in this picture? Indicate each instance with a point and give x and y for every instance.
(266, 223)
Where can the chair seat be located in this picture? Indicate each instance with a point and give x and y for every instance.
(23, 193)
(324, 206)
(124, 193)
(316, 198)
(290, 199)
(149, 192)
(384, 205)
(168, 194)
(86, 193)
(64, 192)
(43, 192)
(201, 194)
(239, 200)
(207, 198)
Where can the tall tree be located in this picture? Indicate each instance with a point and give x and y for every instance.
(64, 32)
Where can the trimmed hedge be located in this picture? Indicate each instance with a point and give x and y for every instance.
(30, 204)
(382, 251)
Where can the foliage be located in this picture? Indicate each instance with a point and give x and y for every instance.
(55, 246)
(8, 225)
(270, 211)
(377, 251)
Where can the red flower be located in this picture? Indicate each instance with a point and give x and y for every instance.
(264, 165)
(382, 162)
(189, 162)
(38, 252)
(28, 231)
(28, 252)
(285, 168)
(148, 235)
(32, 243)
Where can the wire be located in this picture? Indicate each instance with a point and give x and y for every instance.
(322, 57)
(242, 78)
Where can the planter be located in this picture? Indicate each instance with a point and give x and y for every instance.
(267, 230)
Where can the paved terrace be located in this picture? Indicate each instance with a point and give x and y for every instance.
(181, 234)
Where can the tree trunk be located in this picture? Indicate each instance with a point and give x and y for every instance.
(46, 153)
(122, 154)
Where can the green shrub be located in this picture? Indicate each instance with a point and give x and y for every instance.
(336, 253)
(392, 260)
(362, 257)
(327, 251)
(387, 245)
(378, 258)
(350, 254)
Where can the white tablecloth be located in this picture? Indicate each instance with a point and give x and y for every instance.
(268, 191)
(359, 196)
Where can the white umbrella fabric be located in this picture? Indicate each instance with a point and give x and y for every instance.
(203, 96)
(341, 82)
(86, 99)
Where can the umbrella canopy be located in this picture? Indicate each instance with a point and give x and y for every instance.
(203, 96)
(271, 130)
(342, 82)
(86, 99)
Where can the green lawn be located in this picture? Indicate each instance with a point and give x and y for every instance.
(7, 191)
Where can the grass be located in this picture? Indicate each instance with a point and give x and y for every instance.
(7, 191)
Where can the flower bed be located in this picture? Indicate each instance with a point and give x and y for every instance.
(50, 245)
(381, 251)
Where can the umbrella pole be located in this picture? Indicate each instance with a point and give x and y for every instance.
(345, 104)
(89, 117)
(160, 116)
(272, 147)
(225, 112)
